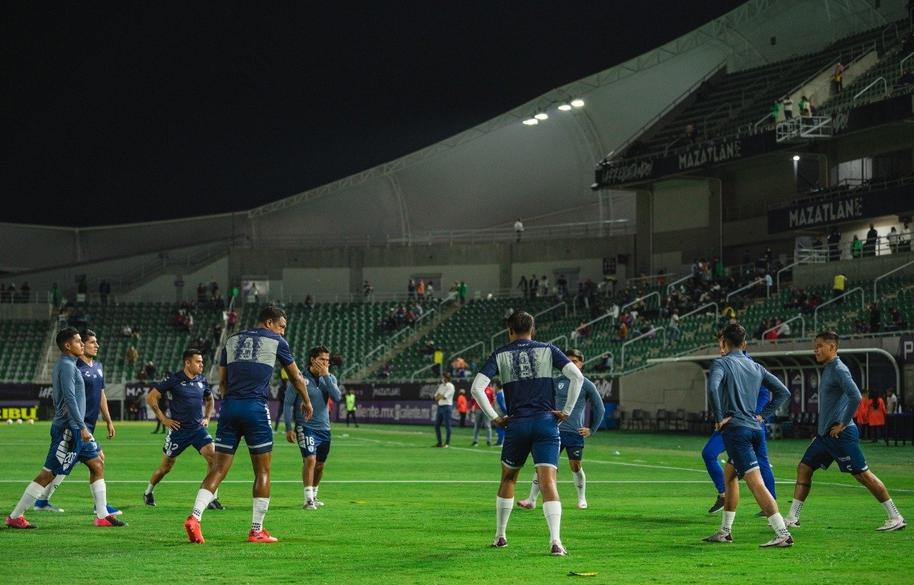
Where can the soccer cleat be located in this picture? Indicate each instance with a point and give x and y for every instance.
(474, 444)
(719, 536)
(318, 503)
(215, 505)
(446, 445)
(892, 524)
(112, 511)
(582, 504)
(500, 542)
(194, 532)
(149, 499)
(310, 505)
(558, 550)
(109, 520)
(790, 522)
(526, 504)
(46, 506)
(718, 505)
(261, 536)
(19, 522)
(778, 542)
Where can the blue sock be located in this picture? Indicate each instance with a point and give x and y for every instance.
(41, 503)
(767, 476)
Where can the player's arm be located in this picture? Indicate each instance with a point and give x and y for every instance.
(68, 391)
(598, 411)
(152, 399)
(106, 416)
(478, 390)
(330, 388)
(301, 386)
(223, 381)
(576, 382)
(779, 394)
(209, 404)
(715, 378)
(849, 388)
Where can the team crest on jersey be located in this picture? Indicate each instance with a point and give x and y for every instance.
(561, 385)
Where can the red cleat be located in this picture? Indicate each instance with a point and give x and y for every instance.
(194, 533)
(19, 522)
(261, 536)
(109, 520)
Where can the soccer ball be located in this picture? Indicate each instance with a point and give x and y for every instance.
(9, 421)
(31, 421)
(18, 421)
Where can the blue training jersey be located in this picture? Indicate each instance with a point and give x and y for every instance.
(69, 394)
(525, 368)
(185, 396)
(94, 380)
(249, 357)
(320, 391)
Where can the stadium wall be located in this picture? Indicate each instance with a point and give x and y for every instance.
(163, 286)
(667, 386)
(859, 271)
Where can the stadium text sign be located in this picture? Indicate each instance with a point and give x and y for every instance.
(16, 413)
(840, 207)
(825, 213)
(710, 154)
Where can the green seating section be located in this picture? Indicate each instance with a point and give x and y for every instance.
(21, 349)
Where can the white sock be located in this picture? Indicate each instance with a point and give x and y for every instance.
(776, 521)
(32, 492)
(149, 488)
(260, 510)
(315, 493)
(553, 513)
(534, 488)
(796, 506)
(726, 521)
(52, 487)
(503, 507)
(204, 497)
(100, 495)
(891, 509)
(309, 493)
(215, 494)
(580, 482)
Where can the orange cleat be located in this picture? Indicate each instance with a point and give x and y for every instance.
(261, 536)
(19, 522)
(194, 532)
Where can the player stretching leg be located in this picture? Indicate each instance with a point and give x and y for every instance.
(96, 402)
(190, 395)
(525, 368)
(572, 431)
(733, 394)
(313, 436)
(837, 438)
(71, 440)
(246, 368)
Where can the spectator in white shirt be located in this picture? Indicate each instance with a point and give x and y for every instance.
(444, 395)
(518, 228)
(891, 402)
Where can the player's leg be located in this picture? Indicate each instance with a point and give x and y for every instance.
(100, 493)
(530, 502)
(258, 434)
(33, 491)
(488, 424)
(208, 452)
(730, 499)
(875, 486)
(545, 449)
(43, 504)
(161, 471)
(846, 450)
(765, 465)
(307, 476)
(228, 435)
(577, 472)
(477, 423)
(62, 455)
(323, 451)
(800, 492)
(513, 456)
(709, 454)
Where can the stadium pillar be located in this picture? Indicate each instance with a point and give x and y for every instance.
(644, 235)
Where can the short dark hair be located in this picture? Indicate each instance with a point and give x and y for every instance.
(270, 313)
(65, 335)
(734, 335)
(87, 334)
(828, 336)
(316, 351)
(574, 352)
(520, 322)
(190, 352)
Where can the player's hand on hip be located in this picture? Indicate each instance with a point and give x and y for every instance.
(584, 432)
(723, 422)
(85, 435)
(561, 416)
(290, 436)
(836, 430)
(171, 423)
(307, 410)
(111, 431)
(205, 421)
(500, 421)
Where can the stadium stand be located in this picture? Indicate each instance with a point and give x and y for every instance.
(21, 347)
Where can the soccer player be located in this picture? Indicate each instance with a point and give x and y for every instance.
(71, 440)
(191, 398)
(525, 369)
(245, 372)
(715, 446)
(313, 436)
(96, 402)
(572, 432)
(733, 394)
(837, 438)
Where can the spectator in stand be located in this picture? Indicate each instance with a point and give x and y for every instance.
(534, 286)
(367, 290)
(309, 304)
(784, 330)
(891, 401)
(893, 239)
(805, 107)
(837, 78)
(462, 406)
(420, 290)
(518, 229)
(201, 293)
(771, 332)
(562, 283)
(839, 285)
(857, 247)
(429, 290)
(605, 364)
(522, 285)
(411, 290)
(623, 330)
(582, 331)
(673, 331)
(544, 286)
(787, 104)
(872, 238)
(690, 134)
(862, 414)
(898, 322)
(776, 111)
(875, 318)
(876, 418)
(232, 320)
(462, 292)
(834, 243)
(126, 331)
(55, 294)
(906, 79)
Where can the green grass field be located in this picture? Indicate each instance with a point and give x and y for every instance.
(398, 511)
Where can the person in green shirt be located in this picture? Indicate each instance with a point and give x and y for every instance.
(350, 408)
(857, 247)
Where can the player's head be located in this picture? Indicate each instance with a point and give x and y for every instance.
(826, 346)
(272, 318)
(193, 361)
(496, 383)
(69, 341)
(319, 357)
(576, 356)
(90, 344)
(733, 337)
(520, 325)
(446, 377)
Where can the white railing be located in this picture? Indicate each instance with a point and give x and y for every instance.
(777, 277)
(885, 87)
(670, 286)
(815, 314)
(552, 308)
(652, 333)
(466, 349)
(422, 369)
(701, 308)
(554, 339)
(760, 281)
(799, 318)
(602, 356)
(901, 64)
(639, 299)
(889, 273)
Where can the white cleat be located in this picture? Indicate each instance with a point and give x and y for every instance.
(319, 503)
(892, 524)
(310, 505)
(791, 522)
(779, 542)
(582, 504)
(527, 504)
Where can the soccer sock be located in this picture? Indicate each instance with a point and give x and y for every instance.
(51, 488)
(580, 482)
(309, 493)
(503, 507)
(32, 492)
(204, 497)
(315, 493)
(260, 510)
(100, 495)
(149, 488)
(891, 509)
(776, 521)
(726, 521)
(553, 513)
(534, 488)
(796, 506)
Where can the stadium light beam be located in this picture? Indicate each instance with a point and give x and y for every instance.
(577, 103)
(530, 122)
(541, 116)
(564, 107)
(796, 158)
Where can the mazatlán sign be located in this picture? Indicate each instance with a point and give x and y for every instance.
(709, 154)
(842, 207)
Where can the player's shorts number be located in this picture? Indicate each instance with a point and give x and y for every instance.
(306, 442)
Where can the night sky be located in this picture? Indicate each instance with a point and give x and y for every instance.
(126, 112)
